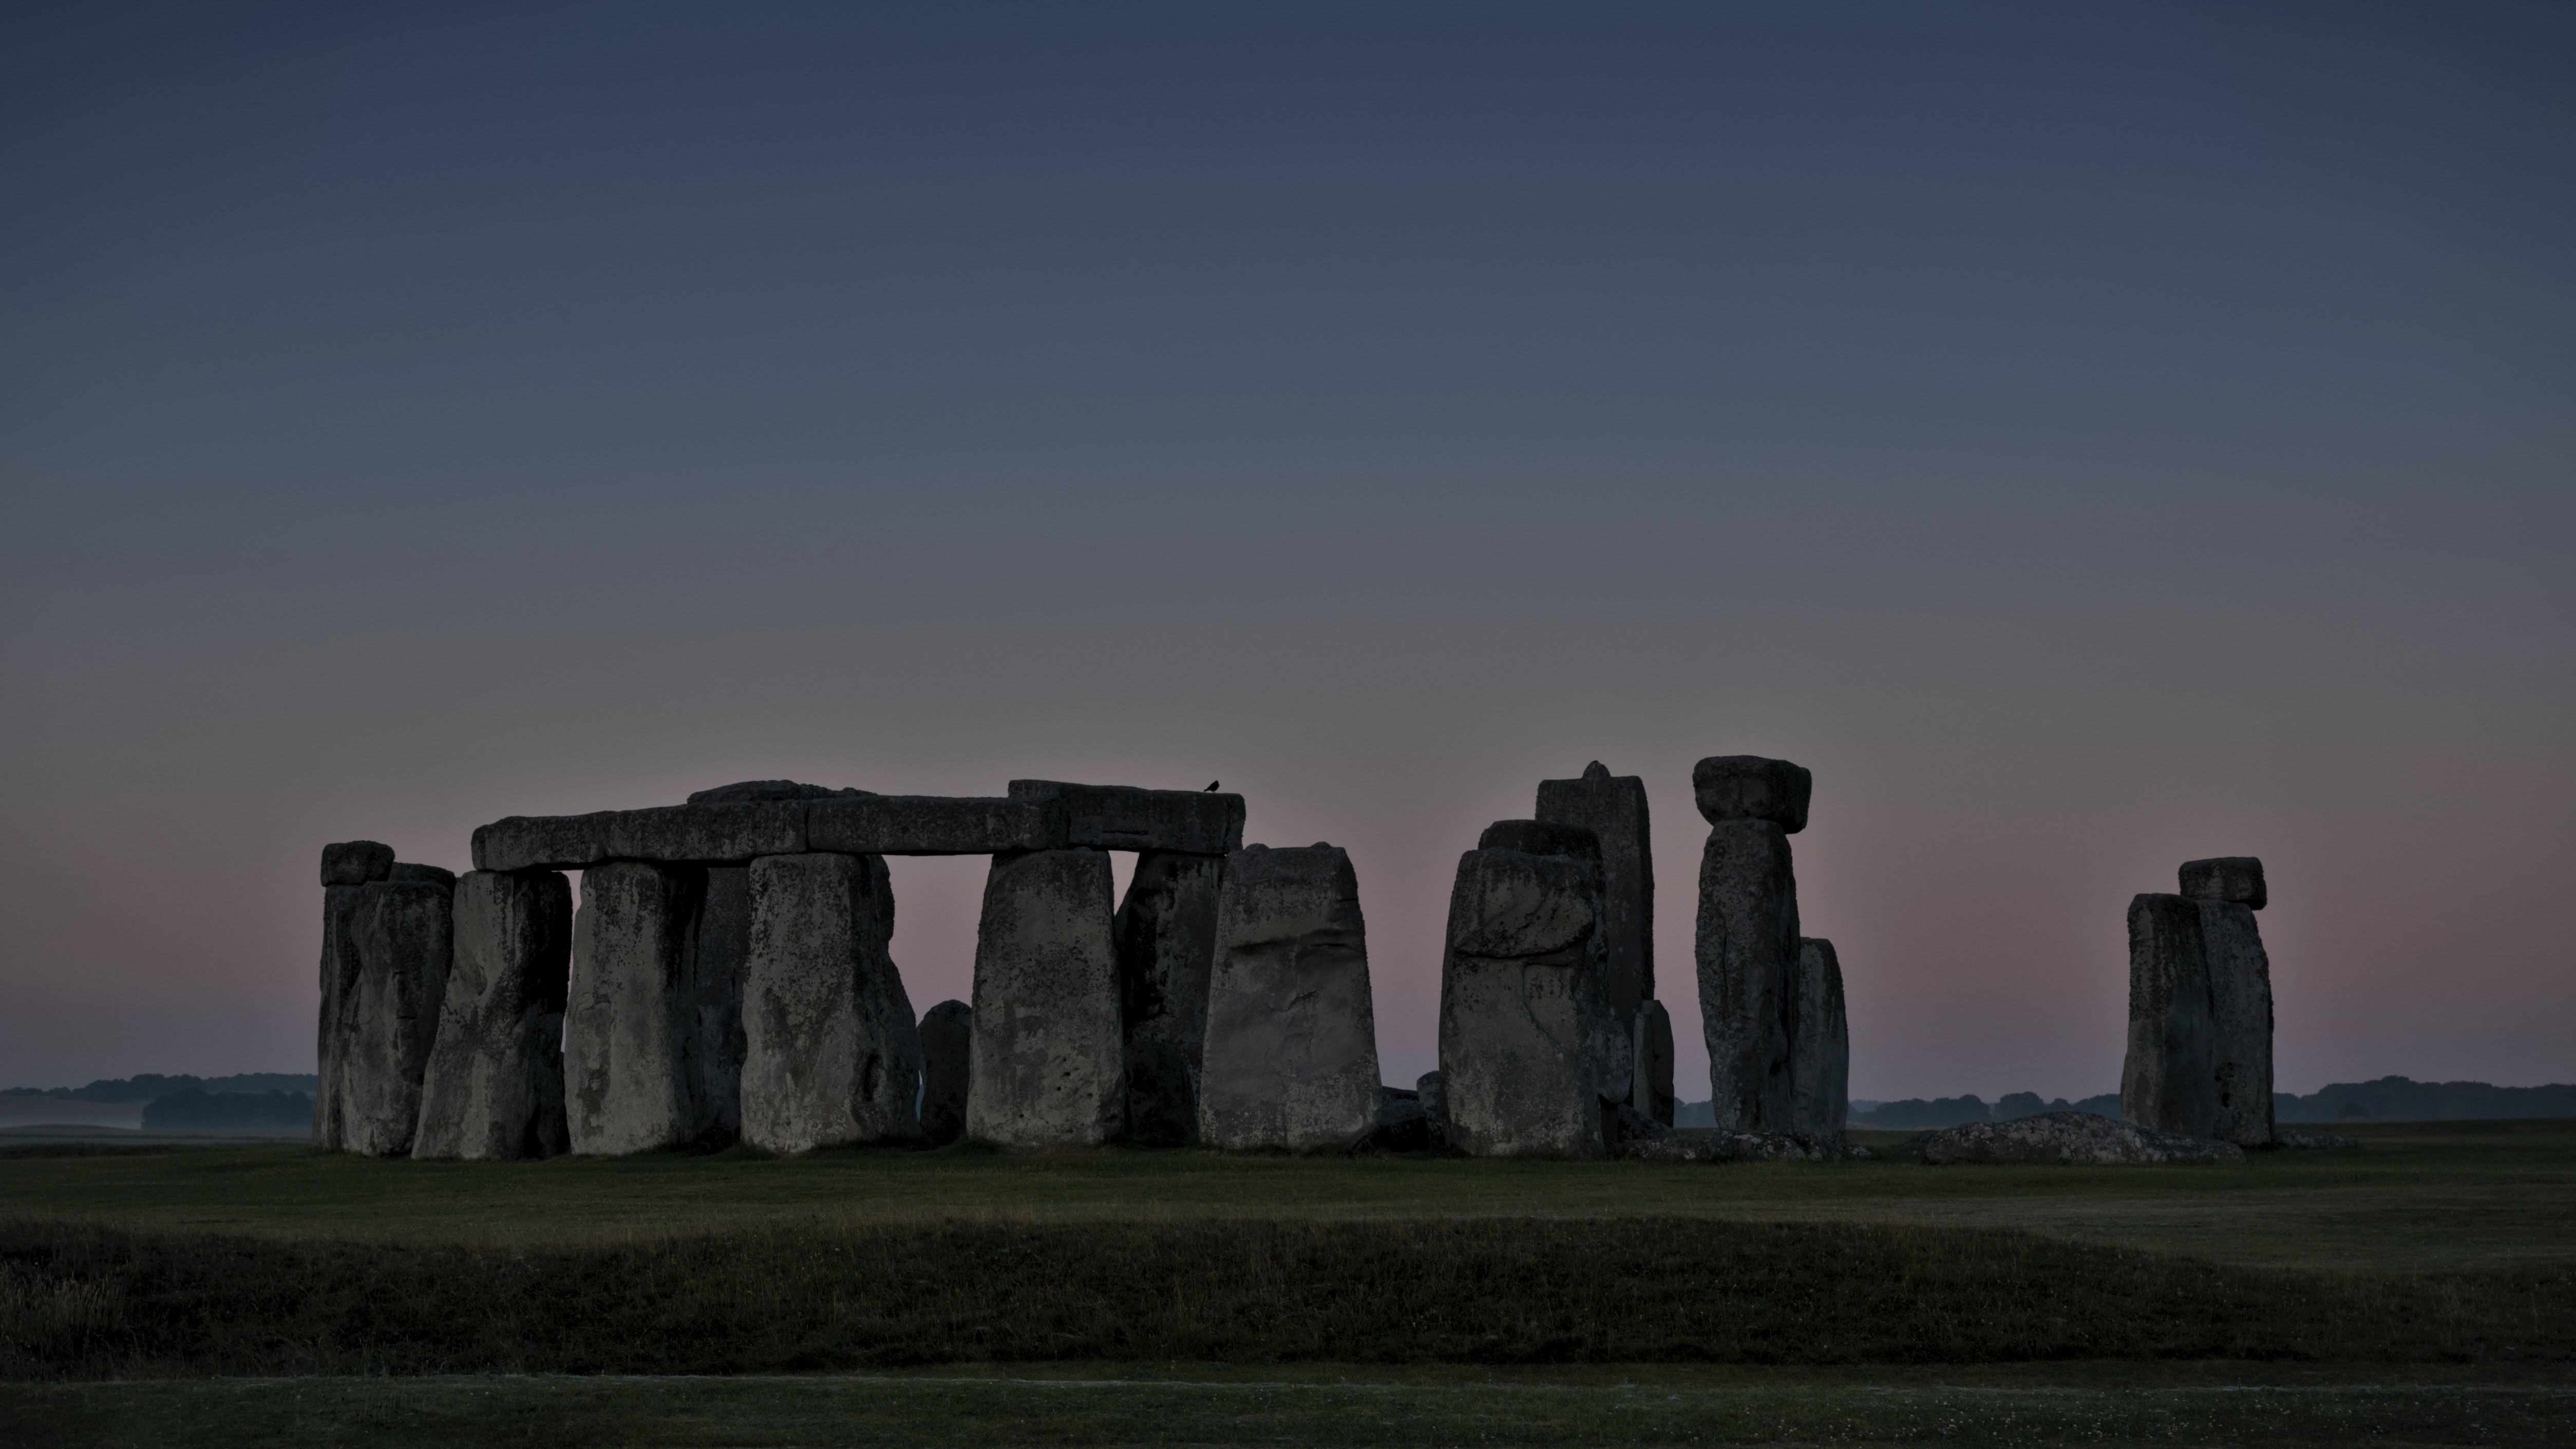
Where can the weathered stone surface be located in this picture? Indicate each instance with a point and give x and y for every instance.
(2069, 1138)
(1725, 1146)
(2240, 1022)
(1435, 1109)
(729, 833)
(766, 790)
(934, 825)
(2169, 1082)
(631, 1023)
(1651, 1086)
(356, 862)
(405, 935)
(404, 870)
(1749, 787)
(1048, 1056)
(1613, 808)
(341, 965)
(1123, 817)
(1166, 949)
(2310, 1139)
(541, 842)
(1748, 973)
(2237, 878)
(1542, 837)
(1820, 1052)
(1401, 1126)
(493, 1090)
(831, 1051)
(1291, 1057)
(718, 960)
(947, 1047)
(1532, 1063)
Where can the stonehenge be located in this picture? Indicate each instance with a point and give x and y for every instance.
(1613, 808)
(1166, 942)
(2200, 1007)
(494, 1088)
(1291, 1049)
(1820, 1047)
(400, 933)
(830, 1053)
(1045, 1065)
(1748, 936)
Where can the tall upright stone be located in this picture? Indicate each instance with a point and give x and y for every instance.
(2168, 1082)
(719, 953)
(405, 939)
(1748, 935)
(346, 869)
(1291, 1054)
(1651, 1091)
(1048, 1054)
(1533, 1062)
(2229, 891)
(831, 1053)
(1166, 933)
(947, 1046)
(1820, 1054)
(494, 1088)
(1613, 808)
(631, 1024)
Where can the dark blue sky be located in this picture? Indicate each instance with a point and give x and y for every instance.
(2087, 437)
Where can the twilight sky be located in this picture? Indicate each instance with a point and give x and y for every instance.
(2087, 437)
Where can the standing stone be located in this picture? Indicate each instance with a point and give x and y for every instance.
(1613, 808)
(346, 867)
(631, 1024)
(1748, 973)
(1291, 1058)
(719, 953)
(405, 931)
(1652, 1092)
(2168, 1083)
(947, 1045)
(1435, 1109)
(2237, 878)
(1820, 1056)
(1047, 1051)
(831, 1053)
(1527, 1038)
(1166, 948)
(494, 1088)
(2240, 1008)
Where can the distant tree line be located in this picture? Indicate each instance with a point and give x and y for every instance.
(2389, 1099)
(191, 1109)
(148, 1086)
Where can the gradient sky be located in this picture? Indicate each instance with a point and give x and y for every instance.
(2087, 437)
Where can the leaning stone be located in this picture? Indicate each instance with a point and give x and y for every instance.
(766, 790)
(1123, 817)
(1435, 1109)
(947, 1045)
(934, 825)
(493, 1090)
(706, 834)
(1748, 973)
(1166, 948)
(719, 955)
(831, 1053)
(2309, 1139)
(541, 842)
(2069, 1138)
(2169, 1081)
(1613, 808)
(1527, 1040)
(1047, 1048)
(2240, 1022)
(2237, 878)
(631, 1022)
(405, 939)
(1651, 1086)
(341, 967)
(356, 862)
(1401, 1126)
(1749, 787)
(1820, 1053)
(1291, 1057)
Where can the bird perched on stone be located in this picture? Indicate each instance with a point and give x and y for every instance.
(1211, 789)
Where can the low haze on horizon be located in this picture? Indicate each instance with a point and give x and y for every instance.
(2087, 439)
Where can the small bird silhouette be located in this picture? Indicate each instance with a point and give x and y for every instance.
(1210, 789)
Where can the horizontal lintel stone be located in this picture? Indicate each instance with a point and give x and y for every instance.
(1124, 817)
(933, 825)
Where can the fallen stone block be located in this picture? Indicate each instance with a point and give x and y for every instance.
(2069, 1138)
(405, 933)
(730, 834)
(1532, 1063)
(832, 1054)
(1724, 1146)
(2236, 878)
(541, 842)
(494, 1087)
(630, 1025)
(2240, 1022)
(1166, 933)
(1613, 808)
(1048, 1054)
(1651, 1085)
(1749, 787)
(2169, 1082)
(2310, 1139)
(934, 825)
(1820, 1053)
(947, 1047)
(356, 862)
(1291, 1055)
(1748, 973)
(1123, 817)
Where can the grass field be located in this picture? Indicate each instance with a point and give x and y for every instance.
(2422, 1290)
